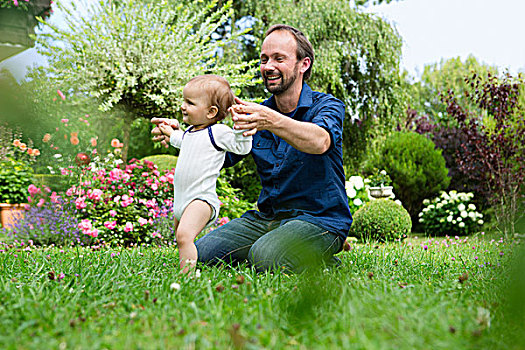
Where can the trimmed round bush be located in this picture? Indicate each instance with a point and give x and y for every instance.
(381, 220)
(416, 167)
(162, 161)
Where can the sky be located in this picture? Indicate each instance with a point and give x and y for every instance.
(490, 30)
(432, 30)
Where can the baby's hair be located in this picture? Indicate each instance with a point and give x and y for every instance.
(218, 90)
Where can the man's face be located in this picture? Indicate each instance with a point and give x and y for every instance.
(279, 65)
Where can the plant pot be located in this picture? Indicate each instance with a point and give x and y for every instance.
(11, 213)
(381, 192)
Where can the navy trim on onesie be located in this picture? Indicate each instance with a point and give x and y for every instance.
(213, 140)
(210, 133)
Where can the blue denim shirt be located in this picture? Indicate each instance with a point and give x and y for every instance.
(298, 185)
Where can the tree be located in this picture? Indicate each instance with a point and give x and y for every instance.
(134, 57)
(438, 78)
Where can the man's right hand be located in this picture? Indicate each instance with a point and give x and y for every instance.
(163, 124)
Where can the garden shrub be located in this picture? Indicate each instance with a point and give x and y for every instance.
(244, 177)
(451, 140)
(416, 167)
(382, 220)
(15, 178)
(450, 213)
(162, 161)
(16, 172)
(57, 183)
(232, 203)
(493, 154)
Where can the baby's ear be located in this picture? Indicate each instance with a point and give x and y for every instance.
(212, 112)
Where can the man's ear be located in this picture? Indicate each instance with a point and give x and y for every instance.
(212, 112)
(305, 64)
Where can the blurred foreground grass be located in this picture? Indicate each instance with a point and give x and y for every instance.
(444, 293)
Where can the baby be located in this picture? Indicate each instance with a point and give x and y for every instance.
(203, 146)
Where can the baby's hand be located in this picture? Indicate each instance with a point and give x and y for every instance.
(166, 129)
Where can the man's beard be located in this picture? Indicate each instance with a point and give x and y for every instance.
(283, 85)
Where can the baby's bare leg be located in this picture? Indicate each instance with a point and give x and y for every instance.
(192, 222)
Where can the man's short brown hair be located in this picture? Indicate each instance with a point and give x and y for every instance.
(304, 47)
(218, 91)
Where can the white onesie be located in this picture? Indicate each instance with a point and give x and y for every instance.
(200, 162)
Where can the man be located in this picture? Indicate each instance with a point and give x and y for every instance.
(303, 216)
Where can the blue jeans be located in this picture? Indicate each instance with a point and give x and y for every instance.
(266, 244)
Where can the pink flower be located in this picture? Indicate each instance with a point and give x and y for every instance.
(126, 200)
(64, 120)
(41, 202)
(15, 2)
(93, 233)
(224, 220)
(61, 276)
(115, 174)
(112, 213)
(95, 194)
(85, 225)
(128, 227)
(61, 95)
(80, 203)
(70, 191)
(142, 221)
(110, 224)
(156, 234)
(54, 197)
(32, 189)
(151, 203)
(115, 143)
(64, 171)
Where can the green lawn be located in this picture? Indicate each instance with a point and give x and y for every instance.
(418, 294)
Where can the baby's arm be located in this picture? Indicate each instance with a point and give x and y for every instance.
(175, 135)
(231, 140)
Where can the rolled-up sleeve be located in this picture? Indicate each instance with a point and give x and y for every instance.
(330, 117)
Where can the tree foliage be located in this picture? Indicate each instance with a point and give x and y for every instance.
(136, 56)
(439, 78)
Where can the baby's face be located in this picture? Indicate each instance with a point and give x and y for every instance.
(196, 107)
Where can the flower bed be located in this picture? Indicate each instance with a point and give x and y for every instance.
(111, 203)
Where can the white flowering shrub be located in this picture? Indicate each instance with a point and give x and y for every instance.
(357, 193)
(451, 213)
(357, 190)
